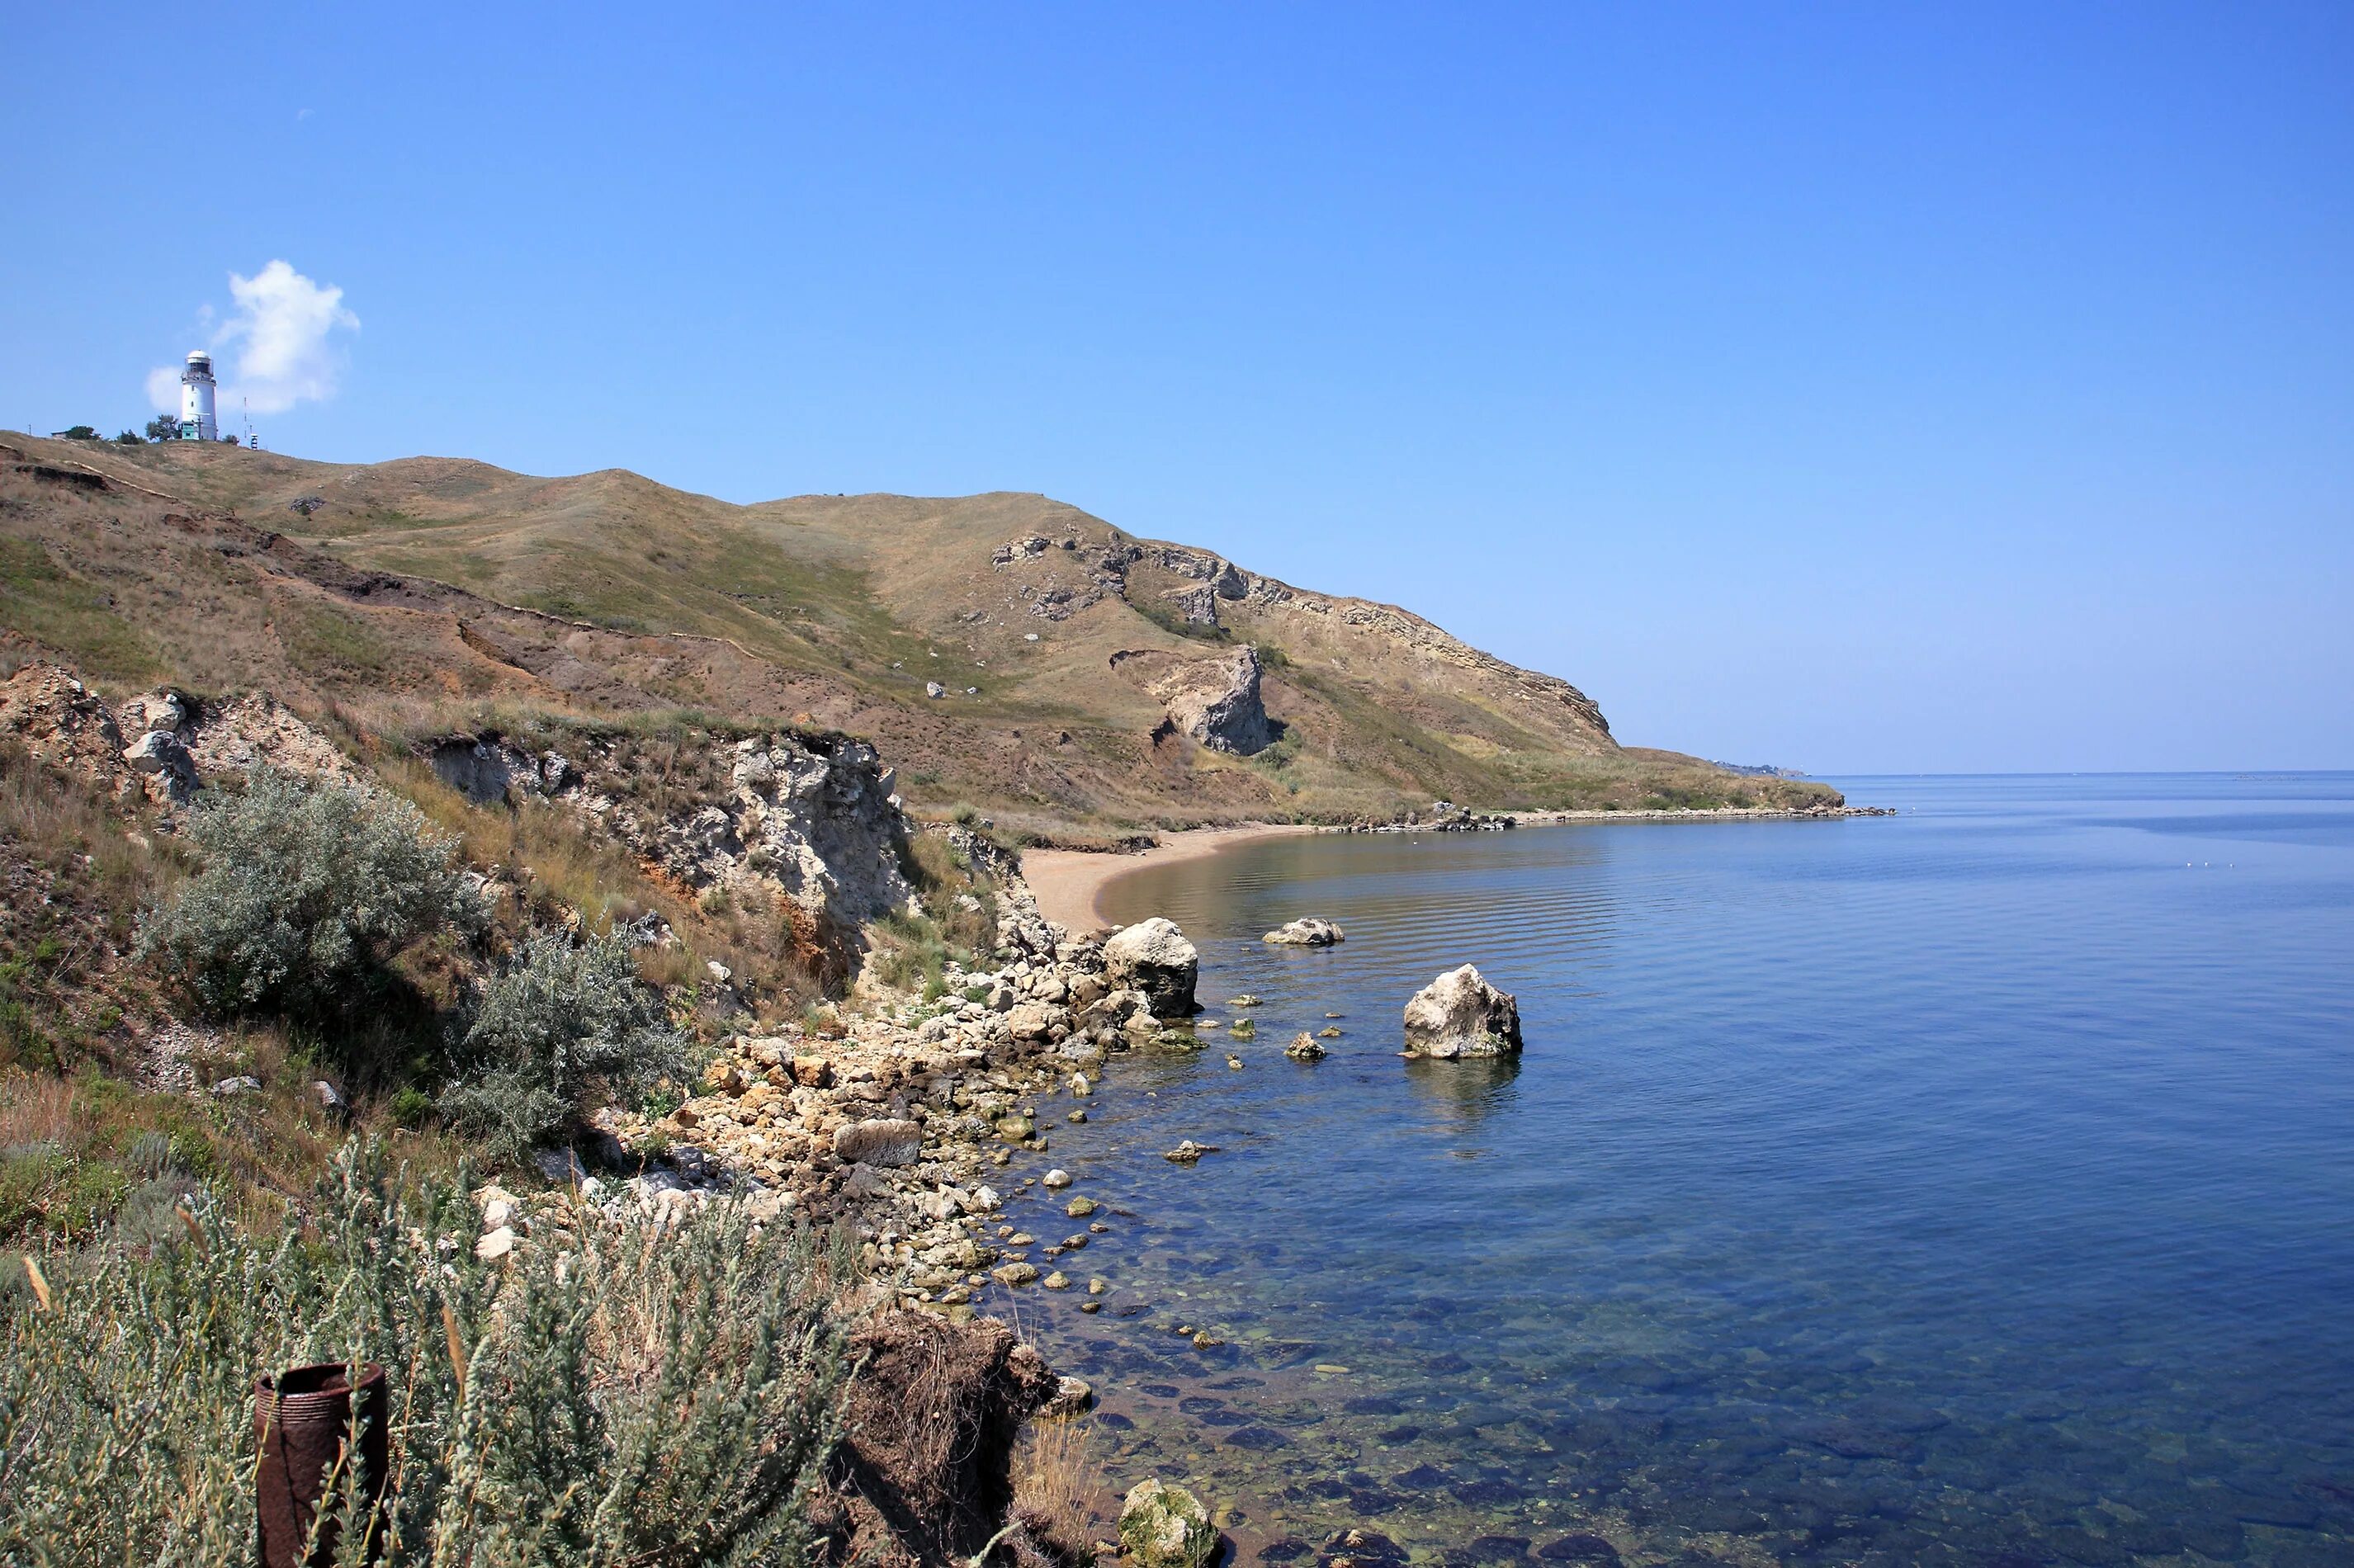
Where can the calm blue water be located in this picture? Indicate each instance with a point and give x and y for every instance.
(1973, 1186)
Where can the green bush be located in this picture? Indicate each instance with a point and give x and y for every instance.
(308, 890)
(597, 1398)
(558, 1024)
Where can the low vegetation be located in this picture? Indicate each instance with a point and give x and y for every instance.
(596, 1400)
(958, 920)
(1056, 1483)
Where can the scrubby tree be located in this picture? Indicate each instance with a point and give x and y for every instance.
(309, 890)
(80, 432)
(163, 428)
(130, 438)
(559, 1025)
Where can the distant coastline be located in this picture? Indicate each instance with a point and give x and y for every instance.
(1071, 884)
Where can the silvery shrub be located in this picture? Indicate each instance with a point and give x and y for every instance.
(308, 889)
(557, 1025)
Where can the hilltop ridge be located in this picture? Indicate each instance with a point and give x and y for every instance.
(1005, 649)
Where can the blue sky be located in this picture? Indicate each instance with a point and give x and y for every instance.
(1854, 387)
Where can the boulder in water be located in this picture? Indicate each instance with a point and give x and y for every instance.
(1163, 1526)
(1153, 956)
(1460, 1014)
(1306, 933)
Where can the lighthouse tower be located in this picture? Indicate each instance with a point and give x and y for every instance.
(197, 420)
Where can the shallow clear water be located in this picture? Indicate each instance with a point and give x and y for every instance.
(1975, 1185)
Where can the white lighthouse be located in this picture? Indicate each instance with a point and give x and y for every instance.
(197, 418)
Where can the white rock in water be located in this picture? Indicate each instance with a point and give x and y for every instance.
(1153, 956)
(1460, 1014)
(1307, 933)
(1073, 1395)
(1058, 1178)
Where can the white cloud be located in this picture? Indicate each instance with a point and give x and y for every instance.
(281, 329)
(283, 334)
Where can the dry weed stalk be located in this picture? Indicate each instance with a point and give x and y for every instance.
(1058, 1484)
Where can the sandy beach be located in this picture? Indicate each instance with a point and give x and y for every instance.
(1069, 884)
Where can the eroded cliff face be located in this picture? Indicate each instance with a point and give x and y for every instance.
(161, 746)
(1206, 595)
(1215, 700)
(809, 820)
(1210, 591)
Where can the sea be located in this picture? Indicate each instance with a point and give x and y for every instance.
(1969, 1185)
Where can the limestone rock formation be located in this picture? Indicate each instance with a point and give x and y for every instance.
(1217, 701)
(1307, 933)
(160, 754)
(808, 818)
(1153, 956)
(1460, 1014)
(176, 742)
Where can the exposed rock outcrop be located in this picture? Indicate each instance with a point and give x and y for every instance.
(1217, 701)
(1460, 1014)
(163, 746)
(1296, 618)
(1154, 958)
(808, 819)
(1306, 933)
(65, 724)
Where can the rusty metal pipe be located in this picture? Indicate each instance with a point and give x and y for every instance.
(309, 1420)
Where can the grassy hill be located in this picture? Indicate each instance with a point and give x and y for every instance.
(433, 595)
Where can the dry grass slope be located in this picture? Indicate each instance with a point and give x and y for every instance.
(436, 594)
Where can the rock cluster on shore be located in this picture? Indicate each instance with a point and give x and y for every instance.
(902, 1121)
